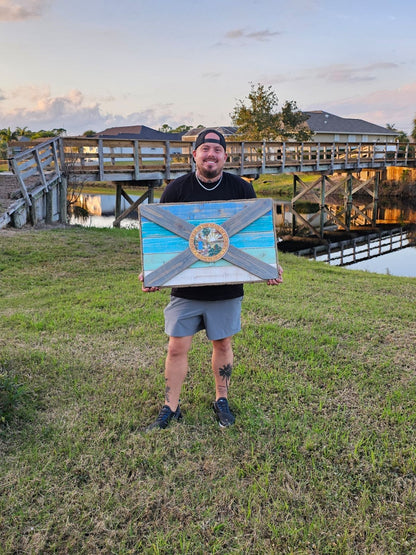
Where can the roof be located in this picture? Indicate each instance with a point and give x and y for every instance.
(324, 122)
(224, 129)
(138, 132)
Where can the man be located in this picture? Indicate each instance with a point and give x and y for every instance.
(215, 308)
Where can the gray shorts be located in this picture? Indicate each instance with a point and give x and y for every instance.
(220, 319)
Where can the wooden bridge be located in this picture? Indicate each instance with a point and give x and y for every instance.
(44, 171)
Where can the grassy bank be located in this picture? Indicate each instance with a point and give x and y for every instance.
(279, 185)
(322, 459)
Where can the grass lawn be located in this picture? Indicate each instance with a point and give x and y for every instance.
(321, 460)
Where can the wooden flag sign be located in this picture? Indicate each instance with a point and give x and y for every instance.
(208, 243)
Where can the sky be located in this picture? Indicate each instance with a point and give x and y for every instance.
(92, 64)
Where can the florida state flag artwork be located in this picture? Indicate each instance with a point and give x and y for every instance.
(208, 243)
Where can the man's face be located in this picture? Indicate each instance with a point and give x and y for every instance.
(210, 158)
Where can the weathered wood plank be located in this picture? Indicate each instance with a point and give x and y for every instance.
(153, 230)
(244, 241)
(195, 276)
(166, 272)
(250, 263)
(247, 216)
(167, 220)
(155, 260)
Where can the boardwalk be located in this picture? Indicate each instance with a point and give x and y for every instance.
(43, 171)
(128, 160)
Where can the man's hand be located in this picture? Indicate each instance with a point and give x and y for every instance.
(279, 278)
(147, 289)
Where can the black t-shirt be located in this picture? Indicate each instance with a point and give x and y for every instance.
(187, 189)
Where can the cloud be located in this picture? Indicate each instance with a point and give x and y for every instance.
(339, 73)
(209, 75)
(37, 108)
(242, 34)
(394, 106)
(344, 73)
(10, 10)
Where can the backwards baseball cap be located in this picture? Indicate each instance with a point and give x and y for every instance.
(201, 139)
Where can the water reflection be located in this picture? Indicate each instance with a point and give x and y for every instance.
(101, 210)
(398, 263)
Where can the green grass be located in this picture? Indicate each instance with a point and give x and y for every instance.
(279, 185)
(322, 459)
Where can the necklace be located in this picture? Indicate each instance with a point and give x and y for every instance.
(206, 188)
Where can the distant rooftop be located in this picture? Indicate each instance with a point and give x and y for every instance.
(324, 122)
(225, 130)
(138, 132)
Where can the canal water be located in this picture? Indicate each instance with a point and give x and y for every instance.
(399, 263)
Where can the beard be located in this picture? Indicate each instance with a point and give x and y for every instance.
(207, 173)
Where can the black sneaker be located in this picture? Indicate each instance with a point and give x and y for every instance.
(222, 410)
(165, 416)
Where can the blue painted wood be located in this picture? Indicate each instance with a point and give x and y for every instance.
(151, 229)
(154, 261)
(166, 256)
(176, 244)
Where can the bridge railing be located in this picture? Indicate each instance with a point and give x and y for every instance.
(40, 165)
(39, 174)
(125, 159)
(133, 160)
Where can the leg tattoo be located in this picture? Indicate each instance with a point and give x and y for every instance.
(225, 373)
(167, 391)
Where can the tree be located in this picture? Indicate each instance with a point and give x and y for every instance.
(165, 128)
(262, 121)
(89, 133)
(414, 130)
(402, 137)
(7, 135)
(181, 129)
(23, 132)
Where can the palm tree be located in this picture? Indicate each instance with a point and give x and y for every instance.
(23, 132)
(7, 135)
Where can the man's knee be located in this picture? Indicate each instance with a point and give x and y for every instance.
(222, 345)
(179, 346)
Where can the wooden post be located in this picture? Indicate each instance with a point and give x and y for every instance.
(322, 208)
(263, 157)
(168, 159)
(62, 199)
(101, 159)
(242, 159)
(349, 201)
(284, 158)
(49, 194)
(118, 204)
(375, 204)
(295, 177)
(136, 160)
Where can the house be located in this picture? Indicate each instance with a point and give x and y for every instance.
(139, 132)
(328, 128)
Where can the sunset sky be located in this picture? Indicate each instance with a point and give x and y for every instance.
(93, 64)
